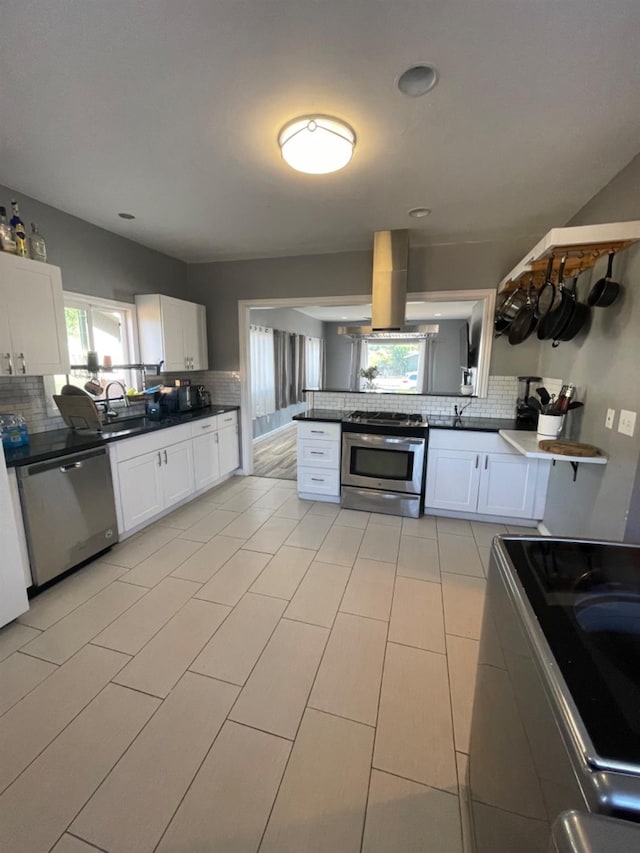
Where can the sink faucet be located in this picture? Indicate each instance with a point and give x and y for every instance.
(109, 412)
(458, 412)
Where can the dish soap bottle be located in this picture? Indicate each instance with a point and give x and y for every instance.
(37, 245)
(7, 243)
(19, 232)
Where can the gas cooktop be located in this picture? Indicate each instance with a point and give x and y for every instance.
(396, 419)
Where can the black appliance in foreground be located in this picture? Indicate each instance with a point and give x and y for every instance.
(556, 716)
(384, 456)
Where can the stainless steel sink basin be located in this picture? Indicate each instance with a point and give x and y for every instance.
(120, 424)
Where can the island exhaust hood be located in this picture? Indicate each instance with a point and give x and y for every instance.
(389, 291)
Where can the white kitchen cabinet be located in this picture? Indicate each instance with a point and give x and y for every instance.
(479, 474)
(206, 463)
(140, 489)
(319, 460)
(228, 449)
(33, 335)
(173, 331)
(177, 473)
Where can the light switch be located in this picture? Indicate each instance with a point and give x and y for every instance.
(611, 413)
(627, 423)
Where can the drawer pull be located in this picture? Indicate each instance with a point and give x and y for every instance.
(317, 453)
(228, 420)
(206, 426)
(317, 479)
(318, 431)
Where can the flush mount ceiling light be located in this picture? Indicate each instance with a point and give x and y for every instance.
(317, 145)
(419, 212)
(418, 80)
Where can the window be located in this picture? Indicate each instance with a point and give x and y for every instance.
(400, 364)
(104, 326)
(314, 362)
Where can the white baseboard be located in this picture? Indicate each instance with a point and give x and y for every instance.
(272, 433)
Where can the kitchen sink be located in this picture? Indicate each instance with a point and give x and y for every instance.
(121, 424)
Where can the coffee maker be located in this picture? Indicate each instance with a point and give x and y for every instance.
(525, 414)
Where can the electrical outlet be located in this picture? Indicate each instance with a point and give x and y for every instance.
(627, 422)
(611, 413)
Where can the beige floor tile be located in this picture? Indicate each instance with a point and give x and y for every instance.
(187, 515)
(318, 597)
(459, 554)
(229, 584)
(417, 617)
(163, 661)
(155, 568)
(210, 557)
(273, 499)
(414, 738)
(455, 526)
(14, 636)
(402, 815)
(243, 500)
(136, 549)
(28, 727)
(135, 803)
(341, 546)
(53, 604)
(326, 508)
(131, 631)
(348, 681)
(19, 674)
(39, 805)
(462, 656)
(210, 525)
(293, 507)
(284, 572)
(483, 532)
(271, 535)
(274, 697)
(247, 523)
(463, 604)
(520, 530)
(462, 761)
(321, 803)
(227, 806)
(370, 589)
(310, 532)
(352, 518)
(423, 527)
(380, 542)
(484, 558)
(70, 844)
(418, 558)
(58, 643)
(236, 646)
(220, 494)
(262, 483)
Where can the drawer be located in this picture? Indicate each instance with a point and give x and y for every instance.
(315, 481)
(227, 419)
(204, 426)
(319, 454)
(319, 430)
(129, 448)
(478, 442)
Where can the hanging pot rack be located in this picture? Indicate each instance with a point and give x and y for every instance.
(583, 246)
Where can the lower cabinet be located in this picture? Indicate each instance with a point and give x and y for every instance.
(205, 460)
(228, 448)
(319, 460)
(483, 475)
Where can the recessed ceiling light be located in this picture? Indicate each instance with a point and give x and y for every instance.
(419, 212)
(418, 80)
(437, 315)
(126, 216)
(344, 318)
(317, 145)
(414, 303)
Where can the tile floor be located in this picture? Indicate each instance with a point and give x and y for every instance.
(252, 672)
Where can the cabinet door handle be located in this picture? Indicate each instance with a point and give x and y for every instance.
(486, 462)
(159, 460)
(477, 460)
(8, 357)
(24, 362)
(217, 439)
(166, 461)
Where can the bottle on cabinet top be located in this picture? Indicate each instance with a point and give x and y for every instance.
(37, 245)
(19, 232)
(7, 243)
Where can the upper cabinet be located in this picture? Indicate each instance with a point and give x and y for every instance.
(33, 335)
(173, 331)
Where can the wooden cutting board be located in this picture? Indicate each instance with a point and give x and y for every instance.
(568, 448)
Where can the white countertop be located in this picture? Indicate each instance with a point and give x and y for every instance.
(527, 444)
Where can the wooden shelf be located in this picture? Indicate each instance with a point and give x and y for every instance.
(582, 244)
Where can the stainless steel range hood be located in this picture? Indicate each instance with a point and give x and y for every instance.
(389, 291)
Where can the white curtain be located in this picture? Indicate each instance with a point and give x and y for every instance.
(314, 363)
(263, 385)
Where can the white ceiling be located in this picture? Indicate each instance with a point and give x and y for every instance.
(170, 110)
(415, 311)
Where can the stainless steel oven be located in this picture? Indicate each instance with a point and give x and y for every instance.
(383, 466)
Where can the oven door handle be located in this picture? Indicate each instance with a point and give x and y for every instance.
(370, 439)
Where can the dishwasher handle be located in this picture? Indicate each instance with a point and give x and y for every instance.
(69, 461)
(70, 466)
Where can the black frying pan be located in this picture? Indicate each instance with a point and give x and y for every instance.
(605, 291)
(553, 321)
(525, 320)
(547, 293)
(579, 315)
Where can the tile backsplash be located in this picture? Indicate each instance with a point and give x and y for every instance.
(499, 403)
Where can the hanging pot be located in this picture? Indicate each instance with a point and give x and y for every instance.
(553, 321)
(507, 309)
(578, 317)
(605, 291)
(525, 320)
(547, 295)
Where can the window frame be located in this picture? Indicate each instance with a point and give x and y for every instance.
(422, 360)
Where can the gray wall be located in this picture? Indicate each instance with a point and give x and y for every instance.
(219, 286)
(603, 362)
(338, 358)
(95, 261)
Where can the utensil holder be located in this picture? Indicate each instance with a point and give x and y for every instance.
(549, 426)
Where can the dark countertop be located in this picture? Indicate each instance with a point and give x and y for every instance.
(331, 415)
(387, 393)
(464, 423)
(59, 442)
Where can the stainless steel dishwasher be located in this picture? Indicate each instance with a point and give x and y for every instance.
(69, 511)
